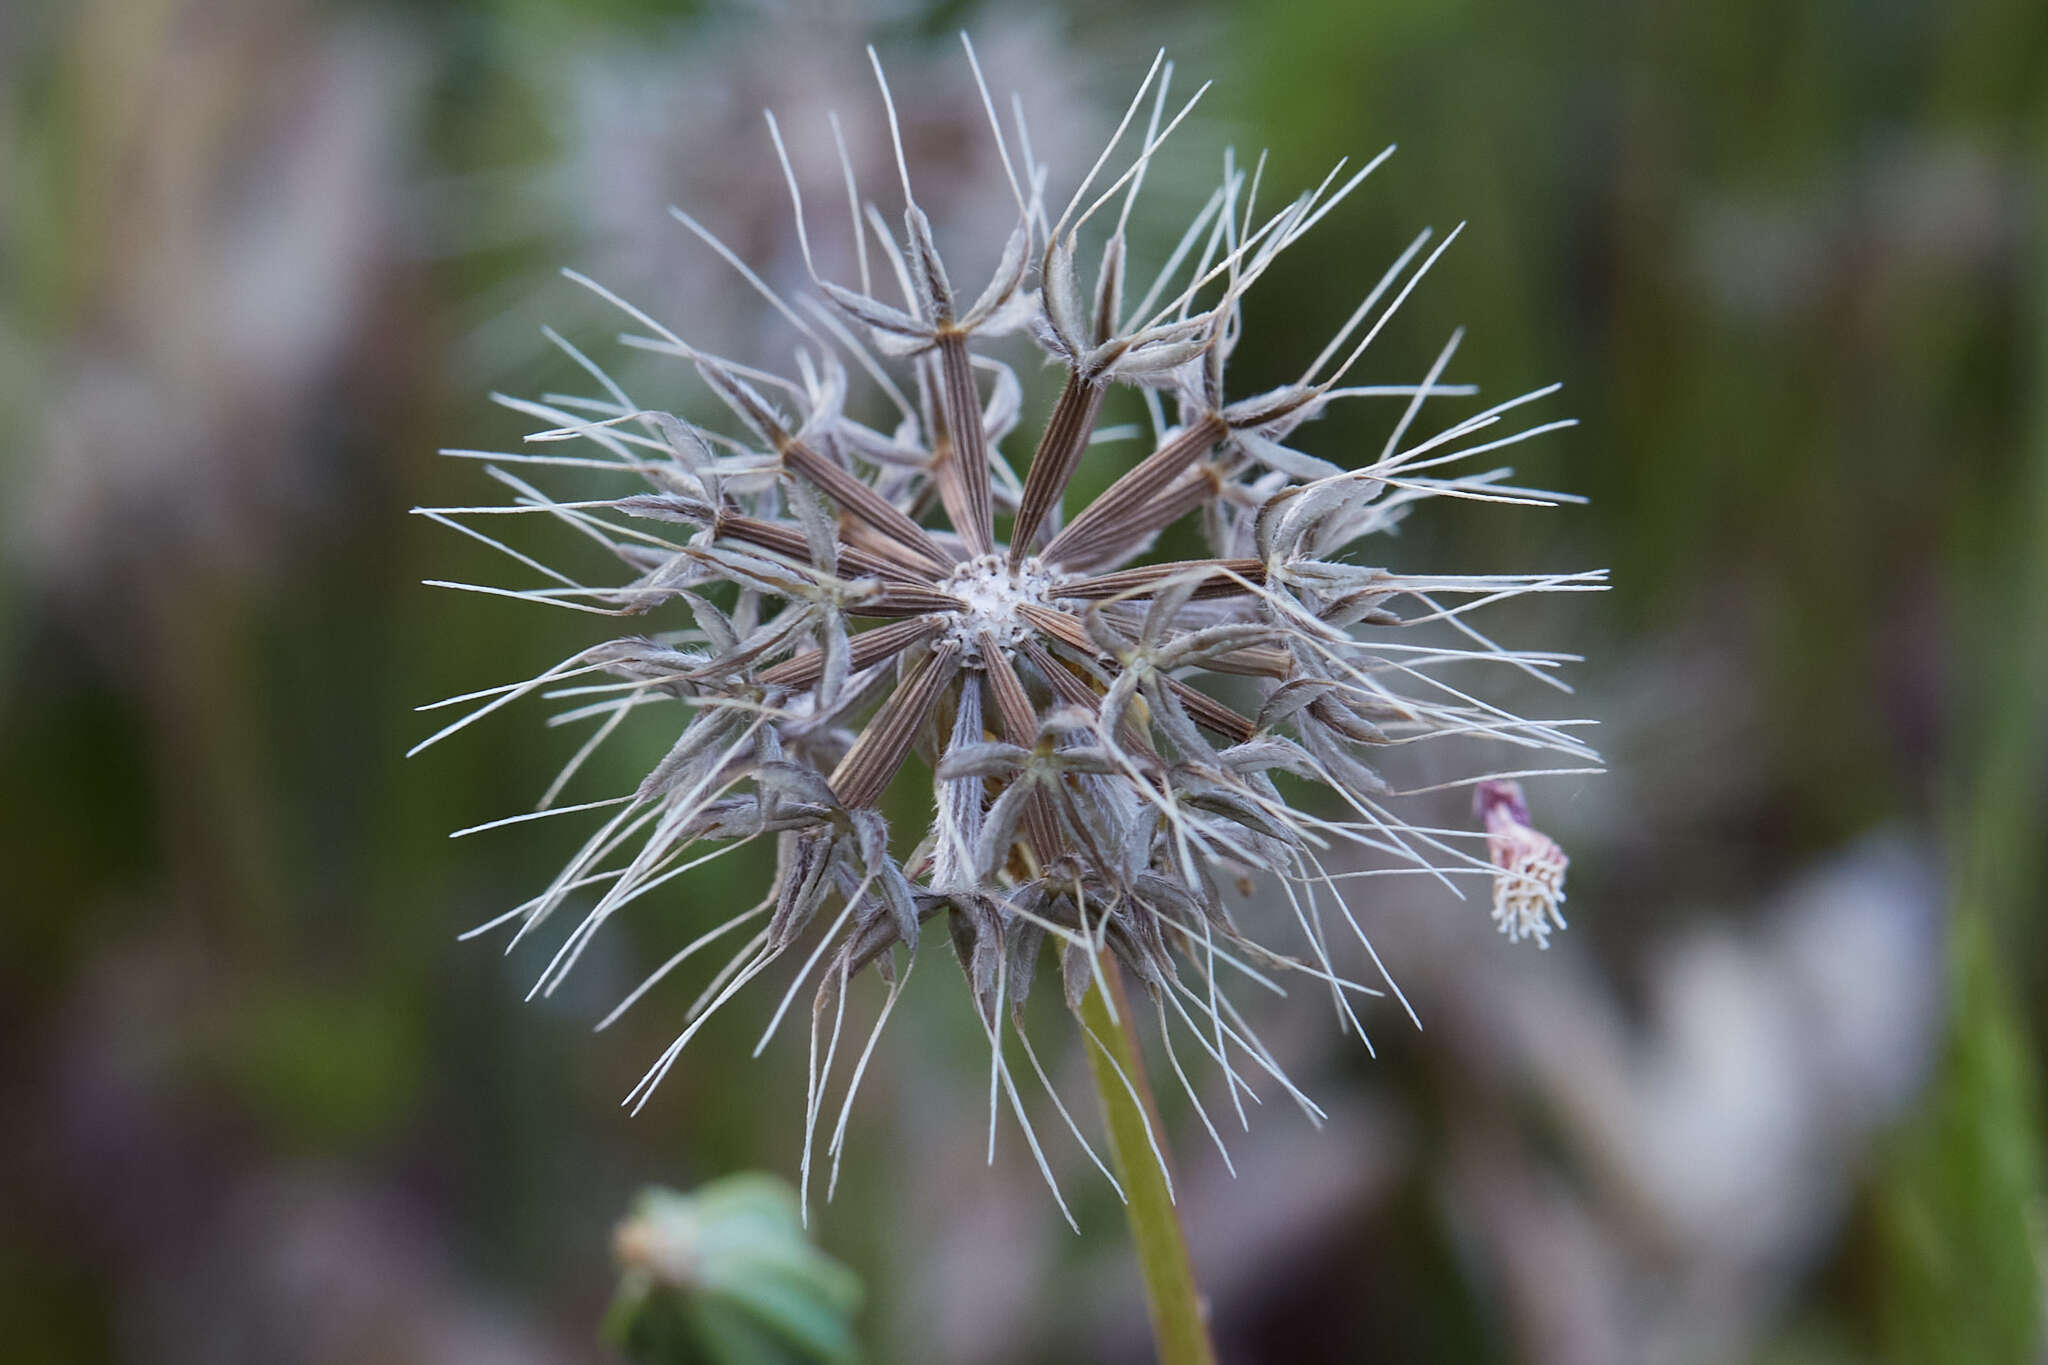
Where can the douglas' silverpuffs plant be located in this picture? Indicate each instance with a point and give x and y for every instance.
(1106, 734)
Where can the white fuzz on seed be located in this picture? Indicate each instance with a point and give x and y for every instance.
(992, 591)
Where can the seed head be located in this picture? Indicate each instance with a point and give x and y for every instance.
(1103, 730)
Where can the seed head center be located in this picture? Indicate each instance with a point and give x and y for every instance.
(994, 592)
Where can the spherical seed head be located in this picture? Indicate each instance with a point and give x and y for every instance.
(1104, 730)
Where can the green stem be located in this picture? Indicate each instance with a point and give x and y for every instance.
(1180, 1326)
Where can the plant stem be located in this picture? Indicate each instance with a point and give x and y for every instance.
(1180, 1327)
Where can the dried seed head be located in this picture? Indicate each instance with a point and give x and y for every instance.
(1104, 732)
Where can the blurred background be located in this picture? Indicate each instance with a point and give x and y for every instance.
(1773, 1097)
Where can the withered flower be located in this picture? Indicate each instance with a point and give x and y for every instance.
(1529, 884)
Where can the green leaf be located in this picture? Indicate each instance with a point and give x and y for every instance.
(727, 1276)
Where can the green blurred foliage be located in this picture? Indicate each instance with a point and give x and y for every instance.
(1959, 1206)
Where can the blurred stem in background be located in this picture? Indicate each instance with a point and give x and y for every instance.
(1960, 1205)
(1180, 1327)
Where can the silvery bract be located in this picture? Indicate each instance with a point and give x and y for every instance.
(1103, 734)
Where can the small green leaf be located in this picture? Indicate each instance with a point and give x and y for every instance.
(726, 1276)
